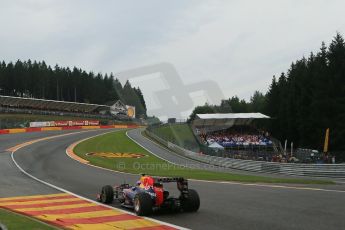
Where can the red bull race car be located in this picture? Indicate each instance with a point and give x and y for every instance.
(148, 195)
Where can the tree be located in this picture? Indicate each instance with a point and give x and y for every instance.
(38, 80)
(202, 110)
(304, 101)
(134, 97)
(257, 102)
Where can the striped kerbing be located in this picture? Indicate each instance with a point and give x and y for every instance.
(70, 212)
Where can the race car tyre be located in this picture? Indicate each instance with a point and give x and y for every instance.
(107, 194)
(143, 204)
(192, 203)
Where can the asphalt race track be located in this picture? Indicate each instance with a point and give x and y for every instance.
(223, 205)
(12, 181)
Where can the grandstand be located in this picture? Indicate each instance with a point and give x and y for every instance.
(42, 107)
(62, 106)
(50, 105)
(233, 135)
(221, 121)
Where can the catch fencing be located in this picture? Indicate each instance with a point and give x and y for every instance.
(296, 169)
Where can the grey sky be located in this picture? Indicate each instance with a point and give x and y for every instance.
(238, 44)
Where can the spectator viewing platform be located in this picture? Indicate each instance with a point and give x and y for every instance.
(234, 135)
(19, 111)
(231, 138)
(33, 103)
(220, 121)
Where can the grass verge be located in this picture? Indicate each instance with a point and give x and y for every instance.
(15, 221)
(118, 142)
(180, 134)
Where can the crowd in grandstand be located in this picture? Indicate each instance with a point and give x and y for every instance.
(242, 142)
(234, 138)
(247, 143)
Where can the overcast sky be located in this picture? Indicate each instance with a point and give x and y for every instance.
(238, 44)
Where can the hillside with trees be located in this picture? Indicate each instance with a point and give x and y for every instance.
(39, 80)
(304, 101)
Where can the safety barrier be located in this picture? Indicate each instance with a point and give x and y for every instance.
(296, 169)
(28, 130)
(2, 227)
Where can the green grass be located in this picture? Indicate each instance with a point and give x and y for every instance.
(15, 221)
(118, 142)
(180, 134)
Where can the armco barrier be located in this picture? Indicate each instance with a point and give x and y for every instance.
(2, 227)
(27, 130)
(296, 169)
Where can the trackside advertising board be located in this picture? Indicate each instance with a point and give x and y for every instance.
(63, 123)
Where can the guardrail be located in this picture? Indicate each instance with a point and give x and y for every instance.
(296, 169)
(2, 227)
(42, 129)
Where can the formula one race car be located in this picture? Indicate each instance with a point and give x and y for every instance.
(148, 195)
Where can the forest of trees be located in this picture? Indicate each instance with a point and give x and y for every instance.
(303, 102)
(39, 80)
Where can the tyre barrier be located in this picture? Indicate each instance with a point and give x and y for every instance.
(294, 169)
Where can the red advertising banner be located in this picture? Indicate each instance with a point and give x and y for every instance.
(76, 123)
(60, 123)
(93, 122)
(79, 123)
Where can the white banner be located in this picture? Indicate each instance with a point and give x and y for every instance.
(40, 124)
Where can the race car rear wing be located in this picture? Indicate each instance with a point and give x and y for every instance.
(169, 179)
(182, 183)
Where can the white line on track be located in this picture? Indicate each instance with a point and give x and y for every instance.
(151, 151)
(81, 197)
(168, 150)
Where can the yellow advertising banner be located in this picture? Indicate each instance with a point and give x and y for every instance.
(130, 111)
(325, 146)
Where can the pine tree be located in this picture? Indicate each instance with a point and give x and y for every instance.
(38, 80)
